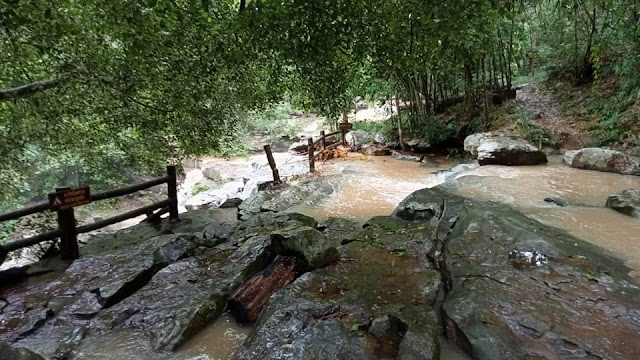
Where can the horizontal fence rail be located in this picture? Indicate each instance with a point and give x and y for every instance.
(322, 140)
(67, 230)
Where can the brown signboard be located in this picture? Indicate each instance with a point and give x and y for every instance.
(346, 126)
(63, 200)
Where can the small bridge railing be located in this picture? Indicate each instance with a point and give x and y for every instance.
(68, 231)
(311, 148)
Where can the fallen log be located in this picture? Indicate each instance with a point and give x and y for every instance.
(250, 298)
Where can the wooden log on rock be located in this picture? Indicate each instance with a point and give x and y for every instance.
(247, 302)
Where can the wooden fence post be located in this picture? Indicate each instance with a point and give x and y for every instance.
(312, 163)
(172, 191)
(272, 164)
(69, 238)
(323, 141)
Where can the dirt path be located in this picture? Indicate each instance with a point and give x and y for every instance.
(545, 112)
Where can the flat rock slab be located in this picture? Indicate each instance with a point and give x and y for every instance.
(603, 160)
(341, 229)
(43, 317)
(518, 289)
(309, 191)
(374, 304)
(185, 296)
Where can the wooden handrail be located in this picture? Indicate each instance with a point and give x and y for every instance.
(39, 207)
(324, 137)
(122, 217)
(19, 244)
(109, 194)
(68, 231)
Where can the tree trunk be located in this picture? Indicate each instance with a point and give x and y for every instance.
(485, 96)
(400, 136)
(510, 56)
(250, 298)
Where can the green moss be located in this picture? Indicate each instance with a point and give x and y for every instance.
(199, 188)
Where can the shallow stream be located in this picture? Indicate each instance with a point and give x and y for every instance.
(372, 186)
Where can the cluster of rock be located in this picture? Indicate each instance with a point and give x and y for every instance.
(493, 281)
(627, 201)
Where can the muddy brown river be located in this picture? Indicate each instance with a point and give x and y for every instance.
(371, 186)
(368, 187)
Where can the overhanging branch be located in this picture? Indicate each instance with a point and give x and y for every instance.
(28, 89)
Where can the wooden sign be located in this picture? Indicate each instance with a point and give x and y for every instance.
(345, 126)
(63, 200)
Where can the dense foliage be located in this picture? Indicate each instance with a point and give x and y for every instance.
(98, 91)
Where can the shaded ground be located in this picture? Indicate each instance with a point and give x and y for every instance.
(545, 112)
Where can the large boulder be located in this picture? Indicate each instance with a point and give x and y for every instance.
(603, 160)
(282, 198)
(503, 149)
(626, 202)
(473, 141)
(517, 289)
(357, 138)
(381, 139)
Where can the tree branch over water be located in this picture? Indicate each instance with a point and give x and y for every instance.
(29, 89)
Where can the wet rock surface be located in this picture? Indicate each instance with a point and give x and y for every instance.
(406, 156)
(284, 197)
(503, 149)
(374, 304)
(516, 289)
(493, 281)
(11, 353)
(344, 230)
(375, 150)
(163, 289)
(216, 196)
(626, 202)
(603, 160)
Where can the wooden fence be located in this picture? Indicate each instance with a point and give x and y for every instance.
(322, 141)
(68, 231)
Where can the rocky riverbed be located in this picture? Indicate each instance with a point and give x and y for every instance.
(497, 284)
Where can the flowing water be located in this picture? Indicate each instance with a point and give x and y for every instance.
(585, 191)
(215, 342)
(375, 187)
(372, 186)
(367, 187)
